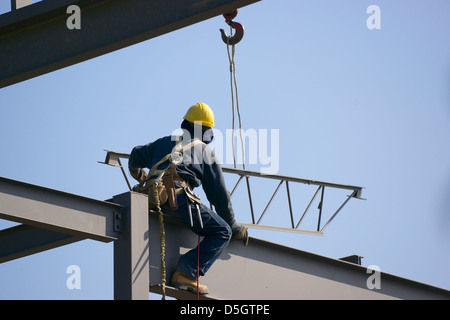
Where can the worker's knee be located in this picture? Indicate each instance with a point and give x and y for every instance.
(225, 232)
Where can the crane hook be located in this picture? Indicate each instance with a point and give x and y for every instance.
(239, 34)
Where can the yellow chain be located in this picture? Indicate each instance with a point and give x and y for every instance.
(163, 242)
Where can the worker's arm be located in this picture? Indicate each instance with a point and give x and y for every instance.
(147, 155)
(136, 164)
(215, 189)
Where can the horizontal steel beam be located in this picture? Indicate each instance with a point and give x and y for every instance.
(22, 240)
(282, 229)
(58, 211)
(266, 270)
(35, 39)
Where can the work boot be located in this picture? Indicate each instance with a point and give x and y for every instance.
(182, 282)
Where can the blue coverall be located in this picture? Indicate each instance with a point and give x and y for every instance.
(201, 170)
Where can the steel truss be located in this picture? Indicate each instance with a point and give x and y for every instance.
(356, 193)
(113, 159)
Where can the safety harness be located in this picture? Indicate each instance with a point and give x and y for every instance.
(163, 180)
(160, 187)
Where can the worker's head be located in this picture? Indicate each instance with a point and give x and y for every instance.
(199, 119)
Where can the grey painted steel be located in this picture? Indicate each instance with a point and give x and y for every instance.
(57, 211)
(322, 184)
(131, 249)
(248, 173)
(54, 218)
(265, 270)
(261, 270)
(35, 40)
(22, 240)
(282, 229)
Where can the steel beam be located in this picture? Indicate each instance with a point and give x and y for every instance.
(248, 173)
(58, 211)
(54, 218)
(131, 249)
(266, 270)
(35, 40)
(22, 240)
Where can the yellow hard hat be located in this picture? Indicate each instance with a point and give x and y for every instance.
(200, 112)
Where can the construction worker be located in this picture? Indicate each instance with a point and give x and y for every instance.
(199, 167)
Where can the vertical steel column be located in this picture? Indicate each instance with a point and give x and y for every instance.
(131, 250)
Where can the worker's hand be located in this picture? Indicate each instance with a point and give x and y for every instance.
(141, 176)
(241, 236)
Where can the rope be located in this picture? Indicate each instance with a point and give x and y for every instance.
(162, 241)
(234, 92)
(198, 269)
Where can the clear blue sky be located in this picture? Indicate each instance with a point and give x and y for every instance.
(352, 105)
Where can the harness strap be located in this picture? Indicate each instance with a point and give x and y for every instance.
(176, 158)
